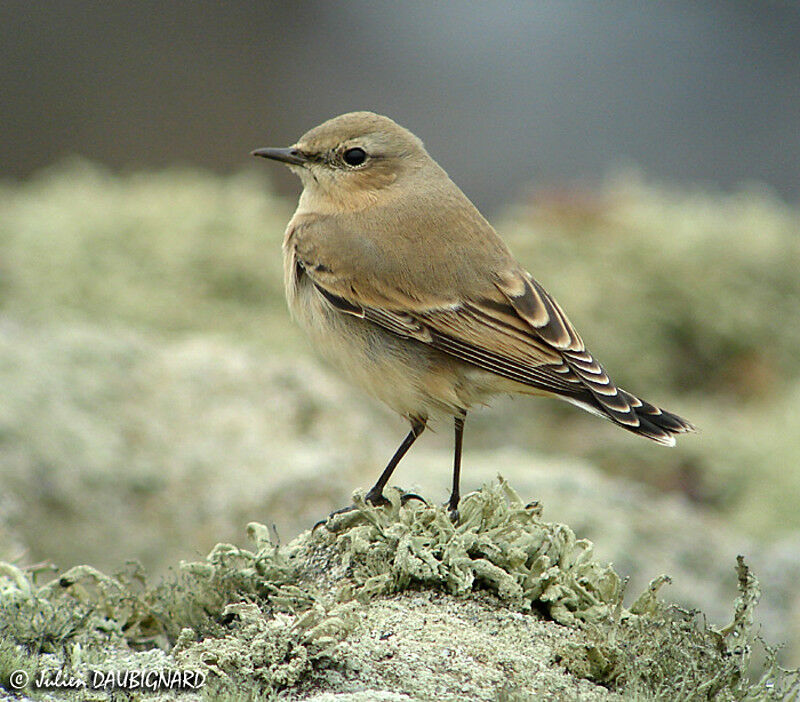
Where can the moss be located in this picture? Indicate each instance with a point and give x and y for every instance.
(499, 544)
(14, 657)
(321, 614)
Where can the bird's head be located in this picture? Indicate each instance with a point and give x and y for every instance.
(353, 156)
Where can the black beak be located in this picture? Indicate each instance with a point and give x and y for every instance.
(290, 155)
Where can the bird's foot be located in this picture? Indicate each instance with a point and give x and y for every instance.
(375, 499)
(336, 513)
(378, 499)
(452, 508)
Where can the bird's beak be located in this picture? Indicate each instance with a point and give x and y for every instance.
(291, 155)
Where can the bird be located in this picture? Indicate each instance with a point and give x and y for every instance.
(403, 286)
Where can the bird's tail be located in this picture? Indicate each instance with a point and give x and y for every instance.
(655, 423)
(637, 416)
(601, 396)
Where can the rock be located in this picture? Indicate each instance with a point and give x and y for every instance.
(392, 603)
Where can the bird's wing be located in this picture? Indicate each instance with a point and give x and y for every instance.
(512, 328)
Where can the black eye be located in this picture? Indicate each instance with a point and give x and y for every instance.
(355, 156)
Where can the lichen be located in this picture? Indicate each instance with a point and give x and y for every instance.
(500, 604)
(499, 544)
(662, 652)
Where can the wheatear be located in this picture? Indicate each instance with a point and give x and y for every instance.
(404, 287)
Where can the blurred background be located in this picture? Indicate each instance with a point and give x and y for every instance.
(642, 161)
(502, 93)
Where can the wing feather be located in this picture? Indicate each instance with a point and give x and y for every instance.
(468, 332)
(517, 331)
(522, 335)
(534, 304)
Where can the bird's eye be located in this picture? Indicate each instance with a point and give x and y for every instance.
(355, 156)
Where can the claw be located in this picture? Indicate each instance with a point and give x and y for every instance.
(376, 500)
(336, 512)
(408, 496)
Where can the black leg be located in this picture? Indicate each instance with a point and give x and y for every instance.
(455, 495)
(375, 495)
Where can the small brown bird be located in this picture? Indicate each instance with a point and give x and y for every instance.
(403, 286)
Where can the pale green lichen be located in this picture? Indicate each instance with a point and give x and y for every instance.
(499, 544)
(660, 652)
(362, 601)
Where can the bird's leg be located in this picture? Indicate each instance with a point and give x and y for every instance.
(455, 495)
(375, 495)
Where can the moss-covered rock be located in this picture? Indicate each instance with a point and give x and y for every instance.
(499, 545)
(392, 603)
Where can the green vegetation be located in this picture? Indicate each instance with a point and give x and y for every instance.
(285, 619)
(175, 251)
